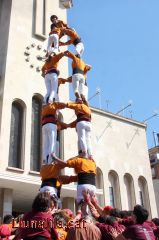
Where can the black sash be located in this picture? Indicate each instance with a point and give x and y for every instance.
(87, 178)
(51, 182)
(49, 119)
(76, 41)
(83, 117)
(53, 71)
(77, 70)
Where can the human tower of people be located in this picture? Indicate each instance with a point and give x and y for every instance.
(83, 163)
(45, 221)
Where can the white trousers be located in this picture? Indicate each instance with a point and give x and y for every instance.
(87, 188)
(51, 190)
(51, 83)
(53, 39)
(79, 48)
(49, 133)
(84, 136)
(78, 83)
(85, 90)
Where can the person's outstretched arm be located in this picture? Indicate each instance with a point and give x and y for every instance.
(92, 208)
(116, 235)
(65, 43)
(72, 124)
(70, 55)
(61, 125)
(59, 161)
(64, 80)
(64, 179)
(96, 205)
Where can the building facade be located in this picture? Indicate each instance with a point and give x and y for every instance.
(154, 161)
(119, 144)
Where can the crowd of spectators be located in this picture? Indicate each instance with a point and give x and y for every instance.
(46, 221)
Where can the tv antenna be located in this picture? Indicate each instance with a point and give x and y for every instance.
(109, 122)
(152, 116)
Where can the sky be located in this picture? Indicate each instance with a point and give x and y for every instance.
(121, 39)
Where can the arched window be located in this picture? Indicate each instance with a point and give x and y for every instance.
(99, 178)
(36, 139)
(100, 186)
(16, 146)
(143, 193)
(59, 142)
(114, 189)
(130, 192)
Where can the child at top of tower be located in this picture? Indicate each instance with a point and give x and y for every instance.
(56, 22)
(54, 35)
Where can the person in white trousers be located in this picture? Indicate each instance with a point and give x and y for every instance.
(50, 124)
(74, 39)
(84, 135)
(49, 132)
(50, 73)
(82, 125)
(51, 83)
(78, 74)
(53, 40)
(85, 169)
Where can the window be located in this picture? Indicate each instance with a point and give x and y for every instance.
(114, 189)
(99, 179)
(111, 196)
(16, 135)
(129, 192)
(100, 186)
(141, 198)
(40, 18)
(36, 139)
(144, 193)
(153, 172)
(59, 142)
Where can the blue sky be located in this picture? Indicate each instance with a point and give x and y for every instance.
(121, 39)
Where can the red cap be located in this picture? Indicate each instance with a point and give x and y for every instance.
(69, 212)
(107, 208)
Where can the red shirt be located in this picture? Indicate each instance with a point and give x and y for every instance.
(127, 221)
(106, 229)
(5, 231)
(139, 232)
(156, 232)
(37, 224)
(150, 224)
